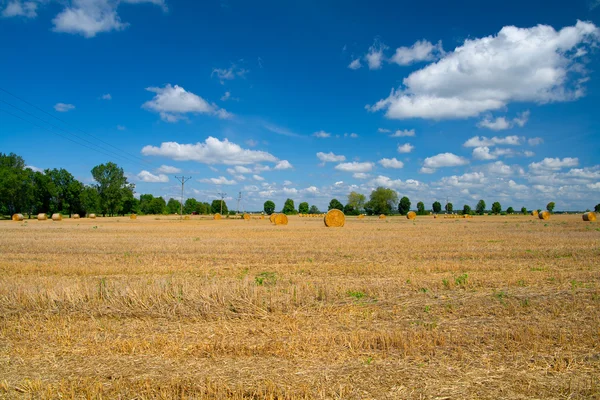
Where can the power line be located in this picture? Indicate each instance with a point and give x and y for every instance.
(222, 197)
(183, 180)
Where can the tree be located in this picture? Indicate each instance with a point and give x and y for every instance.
(382, 201)
(90, 200)
(356, 201)
(496, 208)
(288, 207)
(269, 207)
(466, 209)
(436, 207)
(510, 210)
(158, 205)
(404, 205)
(550, 206)
(190, 206)
(13, 178)
(112, 187)
(173, 206)
(421, 208)
(314, 210)
(303, 208)
(597, 208)
(350, 210)
(335, 204)
(65, 191)
(480, 208)
(524, 210)
(218, 207)
(145, 200)
(449, 207)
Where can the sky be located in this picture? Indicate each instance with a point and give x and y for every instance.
(310, 100)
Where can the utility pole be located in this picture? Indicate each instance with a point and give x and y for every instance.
(239, 199)
(222, 197)
(183, 180)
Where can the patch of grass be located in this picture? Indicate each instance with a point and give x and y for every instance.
(266, 279)
(356, 294)
(461, 280)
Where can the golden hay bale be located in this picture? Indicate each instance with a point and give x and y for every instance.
(334, 218)
(56, 217)
(132, 216)
(262, 217)
(42, 217)
(217, 216)
(545, 215)
(534, 213)
(281, 219)
(246, 216)
(186, 217)
(589, 216)
(92, 216)
(76, 216)
(17, 217)
(382, 216)
(272, 218)
(361, 216)
(411, 215)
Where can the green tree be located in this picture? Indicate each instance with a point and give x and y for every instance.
(496, 208)
(421, 208)
(173, 206)
(303, 208)
(382, 201)
(524, 210)
(597, 208)
(269, 207)
(314, 210)
(356, 201)
(219, 207)
(404, 206)
(349, 210)
(157, 206)
(90, 200)
(466, 209)
(112, 186)
(550, 206)
(190, 205)
(14, 183)
(510, 210)
(131, 205)
(335, 204)
(288, 207)
(65, 191)
(436, 207)
(449, 207)
(480, 208)
(145, 201)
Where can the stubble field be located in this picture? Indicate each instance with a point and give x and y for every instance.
(489, 307)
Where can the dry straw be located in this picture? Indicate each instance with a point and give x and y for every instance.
(92, 216)
(56, 217)
(132, 216)
(361, 216)
(246, 217)
(334, 218)
(281, 219)
(76, 216)
(42, 217)
(589, 216)
(272, 218)
(382, 216)
(17, 217)
(534, 213)
(217, 216)
(411, 215)
(545, 215)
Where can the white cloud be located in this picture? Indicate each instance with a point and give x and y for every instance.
(34, 169)
(106, 96)
(173, 102)
(355, 64)
(322, 134)
(594, 186)
(160, 3)
(499, 168)
(218, 181)
(387, 182)
(479, 141)
(403, 133)
(88, 18)
(501, 123)
(238, 169)
(62, 107)
(383, 130)
(283, 164)
(310, 190)
(280, 130)
(443, 160)
(422, 50)
(355, 166)
(391, 163)
(289, 191)
(360, 175)
(483, 153)
(18, 8)
(351, 135)
(146, 176)
(261, 168)
(225, 74)
(405, 148)
(375, 55)
(258, 178)
(537, 64)
(553, 164)
(330, 157)
(226, 96)
(535, 141)
(212, 151)
(167, 169)
(522, 119)
(287, 183)
(339, 183)
(528, 153)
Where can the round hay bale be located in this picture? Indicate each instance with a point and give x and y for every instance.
(382, 216)
(272, 218)
(17, 217)
(534, 213)
(334, 218)
(411, 215)
(217, 216)
(133, 216)
(589, 216)
(361, 216)
(42, 217)
(281, 219)
(262, 217)
(56, 217)
(92, 216)
(545, 215)
(246, 217)
(76, 216)
(186, 217)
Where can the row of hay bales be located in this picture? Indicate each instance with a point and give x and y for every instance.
(311, 215)
(44, 217)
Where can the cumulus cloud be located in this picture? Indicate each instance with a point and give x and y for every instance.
(283, 164)
(537, 64)
(310, 190)
(238, 169)
(258, 178)
(442, 160)
(405, 148)
(322, 134)
(387, 182)
(375, 55)
(289, 191)
(535, 141)
(174, 102)
(330, 157)
(218, 181)
(483, 153)
(391, 163)
(355, 166)
(211, 151)
(63, 107)
(88, 18)
(167, 169)
(553, 164)
(355, 64)
(360, 175)
(480, 141)
(18, 8)
(146, 176)
(501, 123)
(403, 133)
(422, 50)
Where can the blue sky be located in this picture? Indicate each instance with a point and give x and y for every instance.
(308, 100)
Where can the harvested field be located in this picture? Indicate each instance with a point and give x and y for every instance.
(487, 307)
